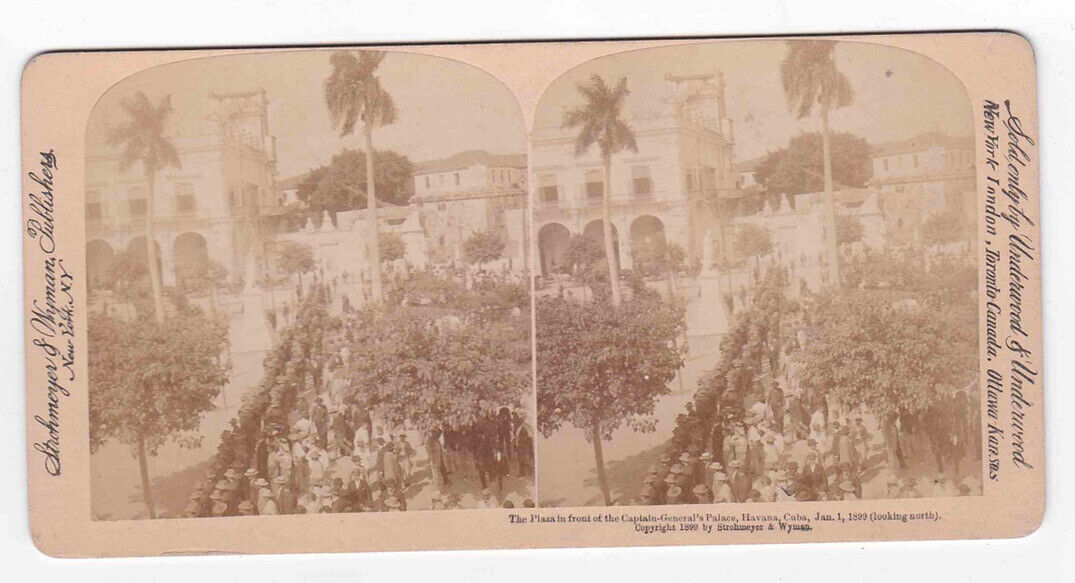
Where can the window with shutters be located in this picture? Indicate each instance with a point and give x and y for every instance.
(136, 201)
(641, 181)
(184, 198)
(548, 189)
(595, 184)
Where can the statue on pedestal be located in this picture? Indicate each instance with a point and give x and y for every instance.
(707, 252)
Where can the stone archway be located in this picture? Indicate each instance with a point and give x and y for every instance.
(647, 241)
(191, 254)
(596, 231)
(136, 249)
(553, 239)
(99, 259)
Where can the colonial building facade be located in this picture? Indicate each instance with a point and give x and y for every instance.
(210, 206)
(928, 175)
(676, 187)
(469, 192)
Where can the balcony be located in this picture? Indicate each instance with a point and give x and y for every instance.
(633, 202)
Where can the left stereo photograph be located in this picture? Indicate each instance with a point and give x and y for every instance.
(307, 285)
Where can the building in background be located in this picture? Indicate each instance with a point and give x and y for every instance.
(211, 206)
(287, 190)
(489, 195)
(469, 192)
(930, 174)
(676, 187)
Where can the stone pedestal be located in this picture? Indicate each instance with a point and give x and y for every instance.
(710, 315)
(251, 331)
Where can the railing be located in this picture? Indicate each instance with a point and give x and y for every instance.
(588, 203)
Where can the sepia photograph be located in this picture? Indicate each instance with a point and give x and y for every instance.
(756, 277)
(308, 288)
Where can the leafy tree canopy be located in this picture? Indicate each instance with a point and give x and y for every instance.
(894, 357)
(582, 252)
(753, 240)
(483, 247)
(202, 276)
(902, 274)
(392, 246)
(341, 184)
(797, 169)
(848, 229)
(659, 257)
(295, 258)
(426, 368)
(941, 229)
(603, 364)
(153, 381)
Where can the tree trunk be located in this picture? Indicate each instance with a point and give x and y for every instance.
(830, 202)
(151, 252)
(599, 459)
(143, 467)
(371, 219)
(613, 265)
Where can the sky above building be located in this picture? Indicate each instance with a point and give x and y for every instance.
(444, 106)
(898, 94)
(447, 107)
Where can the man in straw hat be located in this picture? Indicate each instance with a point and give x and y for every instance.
(219, 508)
(722, 492)
(701, 494)
(675, 495)
(246, 508)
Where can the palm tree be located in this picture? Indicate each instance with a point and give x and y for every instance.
(810, 78)
(142, 139)
(598, 120)
(353, 92)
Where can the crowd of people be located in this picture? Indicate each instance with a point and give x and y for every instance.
(304, 441)
(795, 448)
(335, 458)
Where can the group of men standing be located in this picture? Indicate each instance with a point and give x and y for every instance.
(786, 448)
(336, 459)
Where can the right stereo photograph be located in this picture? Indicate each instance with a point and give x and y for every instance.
(756, 277)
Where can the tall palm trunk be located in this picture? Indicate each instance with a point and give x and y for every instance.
(371, 218)
(830, 203)
(143, 467)
(613, 265)
(151, 252)
(599, 458)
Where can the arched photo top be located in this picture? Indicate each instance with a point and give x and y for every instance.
(444, 106)
(897, 94)
(305, 206)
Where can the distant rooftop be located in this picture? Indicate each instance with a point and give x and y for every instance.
(967, 171)
(469, 158)
(291, 183)
(922, 142)
(748, 165)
